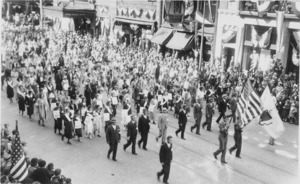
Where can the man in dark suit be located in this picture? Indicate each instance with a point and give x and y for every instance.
(144, 126)
(237, 138)
(197, 116)
(209, 114)
(113, 138)
(165, 158)
(182, 120)
(222, 107)
(131, 134)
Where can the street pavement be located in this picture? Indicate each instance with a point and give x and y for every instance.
(193, 161)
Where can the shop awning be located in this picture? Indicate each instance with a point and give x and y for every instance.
(181, 41)
(135, 21)
(78, 10)
(162, 36)
(53, 11)
(208, 31)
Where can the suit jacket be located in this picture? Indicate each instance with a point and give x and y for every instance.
(144, 125)
(209, 110)
(165, 153)
(41, 175)
(132, 130)
(197, 111)
(162, 122)
(222, 106)
(233, 105)
(182, 119)
(113, 136)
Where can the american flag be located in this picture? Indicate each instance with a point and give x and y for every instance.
(249, 105)
(19, 166)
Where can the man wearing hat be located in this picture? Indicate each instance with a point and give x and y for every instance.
(182, 120)
(113, 137)
(222, 107)
(131, 135)
(223, 136)
(165, 158)
(197, 116)
(209, 114)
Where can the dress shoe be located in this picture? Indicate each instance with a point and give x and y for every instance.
(62, 137)
(230, 151)
(124, 148)
(239, 157)
(139, 144)
(224, 162)
(198, 133)
(192, 129)
(108, 157)
(166, 183)
(145, 148)
(158, 178)
(134, 153)
(69, 142)
(209, 130)
(176, 133)
(215, 156)
(203, 125)
(183, 138)
(114, 159)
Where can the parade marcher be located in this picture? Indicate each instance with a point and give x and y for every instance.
(143, 127)
(182, 120)
(165, 158)
(113, 137)
(10, 89)
(88, 121)
(131, 135)
(126, 112)
(197, 116)
(237, 138)
(78, 126)
(223, 136)
(41, 110)
(21, 99)
(57, 116)
(209, 114)
(30, 101)
(97, 122)
(162, 126)
(68, 126)
(222, 107)
(109, 113)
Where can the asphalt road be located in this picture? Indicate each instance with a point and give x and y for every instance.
(193, 162)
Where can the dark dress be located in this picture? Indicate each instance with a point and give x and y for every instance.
(21, 102)
(10, 91)
(29, 101)
(68, 127)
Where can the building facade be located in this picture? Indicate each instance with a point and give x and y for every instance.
(262, 31)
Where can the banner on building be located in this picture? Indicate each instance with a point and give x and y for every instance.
(262, 41)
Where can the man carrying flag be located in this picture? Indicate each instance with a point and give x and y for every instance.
(19, 167)
(270, 118)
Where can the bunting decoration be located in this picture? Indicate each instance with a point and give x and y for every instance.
(151, 13)
(130, 11)
(262, 41)
(189, 7)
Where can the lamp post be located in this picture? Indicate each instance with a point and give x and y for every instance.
(41, 13)
(202, 38)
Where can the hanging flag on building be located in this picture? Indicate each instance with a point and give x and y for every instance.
(270, 118)
(248, 104)
(199, 18)
(19, 166)
(263, 6)
(262, 41)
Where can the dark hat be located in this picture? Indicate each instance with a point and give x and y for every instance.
(169, 137)
(113, 119)
(68, 180)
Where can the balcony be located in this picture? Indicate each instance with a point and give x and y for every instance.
(267, 9)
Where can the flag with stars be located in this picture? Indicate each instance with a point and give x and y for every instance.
(19, 167)
(249, 104)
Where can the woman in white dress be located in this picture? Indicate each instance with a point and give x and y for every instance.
(89, 123)
(97, 122)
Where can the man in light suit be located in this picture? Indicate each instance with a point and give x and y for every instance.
(197, 116)
(162, 125)
(113, 138)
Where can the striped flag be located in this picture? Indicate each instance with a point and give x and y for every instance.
(249, 104)
(19, 167)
